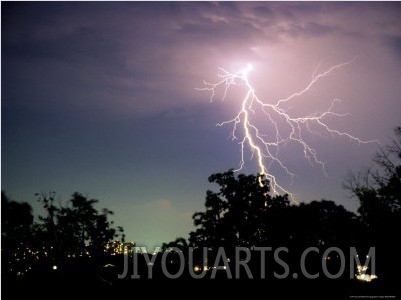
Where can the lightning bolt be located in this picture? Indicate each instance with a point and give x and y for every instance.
(284, 127)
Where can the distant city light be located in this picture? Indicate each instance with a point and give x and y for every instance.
(361, 274)
(366, 277)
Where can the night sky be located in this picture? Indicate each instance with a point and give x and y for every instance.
(101, 98)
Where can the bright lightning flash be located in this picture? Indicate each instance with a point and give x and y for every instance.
(285, 128)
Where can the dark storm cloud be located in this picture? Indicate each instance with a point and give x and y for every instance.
(145, 58)
(116, 56)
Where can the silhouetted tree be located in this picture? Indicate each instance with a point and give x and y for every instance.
(378, 191)
(16, 235)
(16, 222)
(235, 214)
(77, 228)
(325, 224)
(179, 243)
(242, 213)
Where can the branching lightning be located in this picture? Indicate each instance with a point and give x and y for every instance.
(284, 128)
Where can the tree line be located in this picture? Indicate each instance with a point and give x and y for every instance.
(241, 213)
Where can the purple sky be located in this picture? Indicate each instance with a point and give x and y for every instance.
(100, 98)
